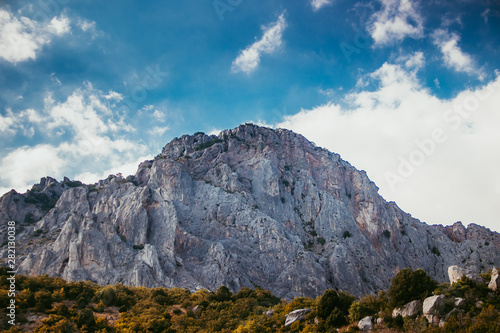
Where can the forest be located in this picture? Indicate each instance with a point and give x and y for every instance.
(51, 304)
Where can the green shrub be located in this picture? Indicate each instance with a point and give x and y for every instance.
(367, 306)
(468, 289)
(409, 285)
(334, 307)
(208, 144)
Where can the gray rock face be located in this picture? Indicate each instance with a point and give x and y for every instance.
(252, 206)
(296, 315)
(365, 324)
(411, 309)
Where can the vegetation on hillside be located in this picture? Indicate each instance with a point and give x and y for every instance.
(48, 304)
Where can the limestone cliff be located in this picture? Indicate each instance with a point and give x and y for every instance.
(250, 207)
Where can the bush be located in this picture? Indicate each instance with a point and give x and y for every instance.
(43, 300)
(468, 289)
(487, 322)
(56, 323)
(208, 144)
(60, 310)
(334, 307)
(222, 294)
(409, 285)
(367, 306)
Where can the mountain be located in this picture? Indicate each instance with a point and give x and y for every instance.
(250, 207)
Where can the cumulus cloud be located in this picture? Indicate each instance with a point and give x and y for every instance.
(89, 136)
(453, 56)
(21, 38)
(318, 4)
(248, 60)
(396, 20)
(437, 158)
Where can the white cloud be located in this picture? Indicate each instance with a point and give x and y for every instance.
(159, 116)
(12, 123)
(453, 56)
(19, 166)
(113, 95)
(249, 58)
(214, 131)
(92, 138)
(158, 131)
(396, 20)
(318, 4)
(89, 27)
(436, 158)
(22, 38)
(125, 169)
(414, 61)
(86, 25)
(59, 26)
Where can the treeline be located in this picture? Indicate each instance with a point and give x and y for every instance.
(48, 304)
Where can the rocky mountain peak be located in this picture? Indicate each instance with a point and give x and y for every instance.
(250, 207)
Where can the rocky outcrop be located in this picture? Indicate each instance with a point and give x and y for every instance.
(411, 310)
(365, 324)
(250, 207)
(455, 273)
(296, 315)
(495, 280)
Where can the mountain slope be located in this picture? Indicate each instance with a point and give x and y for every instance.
(250, 207)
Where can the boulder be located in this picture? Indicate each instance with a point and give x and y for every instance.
(296, 315)
(495, 280)
(365, 324)
(380, 321)
(443, 321)
(455, 273)
(433, 307)
(411, 309)
(269, 312)
(460, 302)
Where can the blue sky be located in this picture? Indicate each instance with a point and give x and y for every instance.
(407, 90)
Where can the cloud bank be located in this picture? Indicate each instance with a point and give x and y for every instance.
(432, 156)
(21, 38)
(81, 135)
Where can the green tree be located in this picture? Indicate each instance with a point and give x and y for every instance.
(334, 307)
(409, 285)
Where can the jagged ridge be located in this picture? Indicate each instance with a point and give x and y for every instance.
(250, 207)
